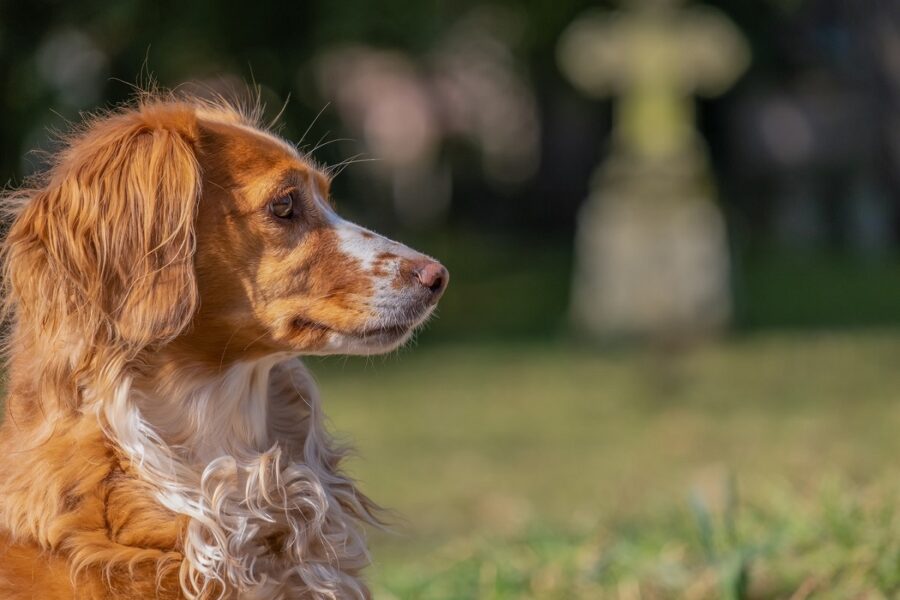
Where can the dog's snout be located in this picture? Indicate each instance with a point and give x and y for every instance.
(433, 276)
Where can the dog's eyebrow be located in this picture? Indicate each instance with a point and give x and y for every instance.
(310, 177)
(290, 178)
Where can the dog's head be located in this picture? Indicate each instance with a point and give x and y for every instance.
(277, 265)
(182, 222)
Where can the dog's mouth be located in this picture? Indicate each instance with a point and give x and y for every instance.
(377, 335)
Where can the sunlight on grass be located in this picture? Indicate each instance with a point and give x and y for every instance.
(698, 474)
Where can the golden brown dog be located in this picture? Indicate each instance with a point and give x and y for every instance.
(162, 440)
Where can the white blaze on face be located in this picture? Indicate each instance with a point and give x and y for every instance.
(379, 257)
(389, 266)
(360, 244)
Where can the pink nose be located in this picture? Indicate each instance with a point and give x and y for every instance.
(434, 276)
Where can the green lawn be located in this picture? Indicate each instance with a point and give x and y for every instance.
(761, 467)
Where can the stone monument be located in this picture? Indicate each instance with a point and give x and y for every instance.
(652, 252)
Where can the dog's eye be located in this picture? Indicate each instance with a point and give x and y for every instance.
(283, 206)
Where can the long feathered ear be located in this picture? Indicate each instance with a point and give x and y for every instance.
(101, 255)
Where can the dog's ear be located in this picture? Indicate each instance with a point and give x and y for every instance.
(105, 247)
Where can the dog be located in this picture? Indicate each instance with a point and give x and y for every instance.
(162, 438)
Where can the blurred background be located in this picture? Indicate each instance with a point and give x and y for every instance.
(666, 364)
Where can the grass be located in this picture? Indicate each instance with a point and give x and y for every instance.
(762, 467)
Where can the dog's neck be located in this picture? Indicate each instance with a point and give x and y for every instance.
(203, 411)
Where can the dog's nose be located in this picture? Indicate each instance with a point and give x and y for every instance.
(433, 276)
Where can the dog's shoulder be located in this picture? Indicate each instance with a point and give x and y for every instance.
(70, 504)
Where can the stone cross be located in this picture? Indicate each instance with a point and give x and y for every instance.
(652, 255)
(653, 57)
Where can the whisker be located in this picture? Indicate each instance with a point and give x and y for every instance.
(346, 163)
(318, 144)
(315, 119)
(280, 112)
(326, 144)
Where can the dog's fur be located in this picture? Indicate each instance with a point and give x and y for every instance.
(162, 440)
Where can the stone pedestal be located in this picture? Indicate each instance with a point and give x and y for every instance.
(652, 254)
